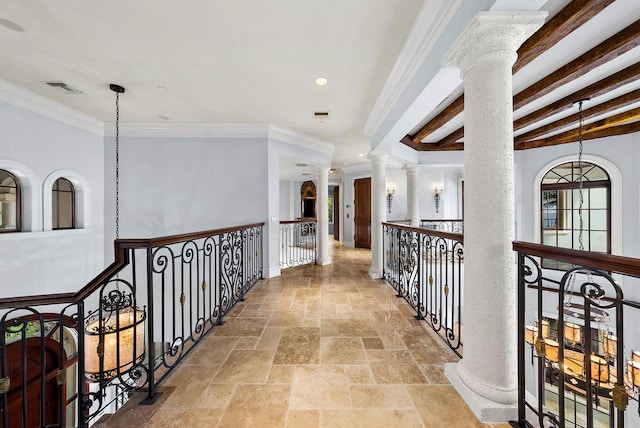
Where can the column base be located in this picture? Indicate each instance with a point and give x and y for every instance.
(375, 274)
(487, 411)
(323, 262)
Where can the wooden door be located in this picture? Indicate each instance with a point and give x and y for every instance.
(34, 393)
(336, 213)
(362, 212)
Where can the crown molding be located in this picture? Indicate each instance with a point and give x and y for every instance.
(299, 139)
(431, 22)
(188, 129)
(36, 103)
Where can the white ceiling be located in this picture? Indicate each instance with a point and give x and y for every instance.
(254, 61)
(223, 61)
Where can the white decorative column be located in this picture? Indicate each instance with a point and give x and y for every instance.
(413, 200)
(322, 210)
(486, 377)
(378, 212)
(8, 201)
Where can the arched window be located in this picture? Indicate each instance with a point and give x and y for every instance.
(62, 205)
(560, 203)
(9, 202)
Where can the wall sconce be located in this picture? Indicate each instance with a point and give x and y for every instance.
(390, 192)
(437, 193)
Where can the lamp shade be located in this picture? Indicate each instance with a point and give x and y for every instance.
(599, 369)
(610, 345)
(545, 328)
(572, 333)
(551, 350)
(119, 337)
(635, 356)
(633, 373)
(530, 334)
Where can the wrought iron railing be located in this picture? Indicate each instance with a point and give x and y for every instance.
(297, 243)
(579, 364)
(453, 226)
(426, 268)
(63, 364)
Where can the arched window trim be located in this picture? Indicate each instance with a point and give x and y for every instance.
(30, 197)
(616, 196)
(82, 198)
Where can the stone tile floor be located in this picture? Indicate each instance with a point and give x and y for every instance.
(316, 347)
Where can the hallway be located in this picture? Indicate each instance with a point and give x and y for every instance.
(316, 347)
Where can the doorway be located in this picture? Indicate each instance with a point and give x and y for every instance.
(362, 212)
(336, 213)
(308, 197)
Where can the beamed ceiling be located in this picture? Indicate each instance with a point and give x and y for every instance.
(603, 69)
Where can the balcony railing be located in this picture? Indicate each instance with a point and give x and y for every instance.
(426, 268)
(579, 364)
(453, 226)
(297, 243)
(65, 364)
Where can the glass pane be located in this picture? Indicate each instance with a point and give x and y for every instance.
(585, 240)
(564, 219)
(598, 220)
(65, 210)
(54, 210)
(64, 185)
(576, 198)
(585, 219)
(564, 239)
(598, 197)
(599, 242)
(596, 173)
(549, 238)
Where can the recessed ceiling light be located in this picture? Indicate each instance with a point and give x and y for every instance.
(11, 25)
(360, 155)
(320, 80)
(163, 117)
(162, 88)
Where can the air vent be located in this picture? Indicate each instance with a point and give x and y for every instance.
(321, 114)
(306, 173)
(302, 164)
(63, 87)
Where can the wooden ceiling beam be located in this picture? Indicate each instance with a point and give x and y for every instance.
(606, 51)
(572, 16)
(603, 108)
(613, 125)
(609, 83)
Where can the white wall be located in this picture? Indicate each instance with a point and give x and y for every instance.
(286, 199)
(38, 262)
(172, 185)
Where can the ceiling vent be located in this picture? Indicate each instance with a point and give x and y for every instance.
(302, 164)
(321, 114)
(63, 87)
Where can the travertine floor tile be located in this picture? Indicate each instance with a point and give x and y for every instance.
(319, 346)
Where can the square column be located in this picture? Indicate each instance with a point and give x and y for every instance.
(486, 377)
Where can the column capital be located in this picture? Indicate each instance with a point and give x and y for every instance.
(378, 156)
(322, 169)
(493, 35)
(412, 168)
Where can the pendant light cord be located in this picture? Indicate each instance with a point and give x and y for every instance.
(580, 195)
(117, 165)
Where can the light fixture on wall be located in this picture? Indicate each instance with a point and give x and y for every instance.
(437, 194)
(390, 192)
(114, 333)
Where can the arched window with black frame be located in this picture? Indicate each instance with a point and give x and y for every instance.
(9, 202)
(560, 205)
(63, 205)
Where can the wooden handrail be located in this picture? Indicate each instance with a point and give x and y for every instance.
(311, 220)
(121, 260)
(608, 262)
(447, 235)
